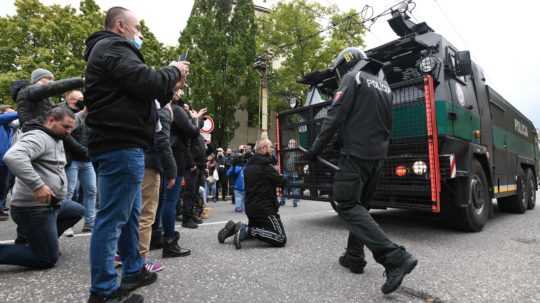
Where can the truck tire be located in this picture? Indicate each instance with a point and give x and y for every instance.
(474, 216)
(531, 189)
(519, 202)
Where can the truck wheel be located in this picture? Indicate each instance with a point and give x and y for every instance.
(531, 189)
(519, 202)
(474, 216)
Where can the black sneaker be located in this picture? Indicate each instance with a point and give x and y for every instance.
(189, 223)
(117, 297)
(142, 278)
(354, 264)
(228, 231)
(395, 274)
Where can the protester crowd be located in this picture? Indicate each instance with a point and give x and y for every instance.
(123, 150)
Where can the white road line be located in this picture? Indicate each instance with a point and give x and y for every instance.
(89, 234)
(179, 225)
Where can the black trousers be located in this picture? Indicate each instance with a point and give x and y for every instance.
(268, 229)
(223, 184)
(190, 192)
(354, 186)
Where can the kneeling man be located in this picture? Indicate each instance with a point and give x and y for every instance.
(38, 207)
(261, 180)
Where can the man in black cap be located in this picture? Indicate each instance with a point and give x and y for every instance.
(361, 114)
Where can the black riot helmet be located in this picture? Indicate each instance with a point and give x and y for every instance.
(347, 59)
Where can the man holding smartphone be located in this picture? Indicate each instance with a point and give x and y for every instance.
(38, 206)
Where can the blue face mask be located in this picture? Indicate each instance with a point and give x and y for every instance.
(137, 42)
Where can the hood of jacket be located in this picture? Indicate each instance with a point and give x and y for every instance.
(37, 125)
(98, 36)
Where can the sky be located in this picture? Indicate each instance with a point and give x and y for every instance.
(499, 34)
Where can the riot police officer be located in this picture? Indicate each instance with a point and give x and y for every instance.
(361, 114)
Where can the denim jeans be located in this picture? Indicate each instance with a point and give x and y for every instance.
(211, 190)
(83, 171)
(116, 228)
(41, 227)
(291, 191)
(239, 197)
(169, 199)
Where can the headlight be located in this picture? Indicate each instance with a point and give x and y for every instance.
(306, 169)
(419, 168)
(427, 64)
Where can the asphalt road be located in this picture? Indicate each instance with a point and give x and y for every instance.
(500, 264)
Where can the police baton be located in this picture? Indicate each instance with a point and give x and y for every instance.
(322, 160)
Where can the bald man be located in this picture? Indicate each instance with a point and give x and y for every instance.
(261, 180)
(120, 96)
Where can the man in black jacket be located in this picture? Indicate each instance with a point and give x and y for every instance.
(122, 116)
(361, 114)
(34, 100)
(261, 180)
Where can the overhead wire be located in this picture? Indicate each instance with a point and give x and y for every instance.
(350, 18)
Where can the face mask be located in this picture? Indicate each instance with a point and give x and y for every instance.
(137, 42)
(79, 104)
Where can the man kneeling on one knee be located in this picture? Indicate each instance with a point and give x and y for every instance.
(261, 180)
(38, 207)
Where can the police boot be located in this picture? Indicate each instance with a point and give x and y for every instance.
(171, 249)
(397, 264)
(355, 264)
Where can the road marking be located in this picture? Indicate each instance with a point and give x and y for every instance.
(89, 234)
(179, 225)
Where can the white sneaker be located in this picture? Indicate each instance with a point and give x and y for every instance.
(69, 232)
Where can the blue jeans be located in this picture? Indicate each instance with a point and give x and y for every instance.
(211, 190)
(291, 190)
(239, 197)
(120, 175)
(41, 227)
(169, 200)
(85, 172)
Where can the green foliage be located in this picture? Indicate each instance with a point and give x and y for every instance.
(221, 43)
(294, 34)
(53, 37)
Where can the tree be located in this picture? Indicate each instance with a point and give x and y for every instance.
(221, 43)
(52, 37)
(295, 34)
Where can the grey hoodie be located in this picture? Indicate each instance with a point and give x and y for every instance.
(36, 159)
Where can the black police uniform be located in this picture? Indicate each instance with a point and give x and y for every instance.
(361, 114)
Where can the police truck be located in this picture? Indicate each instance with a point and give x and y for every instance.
(456, 144)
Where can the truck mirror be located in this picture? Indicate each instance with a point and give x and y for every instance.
(463, 64)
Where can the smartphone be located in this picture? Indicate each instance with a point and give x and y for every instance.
(184, 56)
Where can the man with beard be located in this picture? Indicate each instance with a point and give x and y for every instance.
(261, 180)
